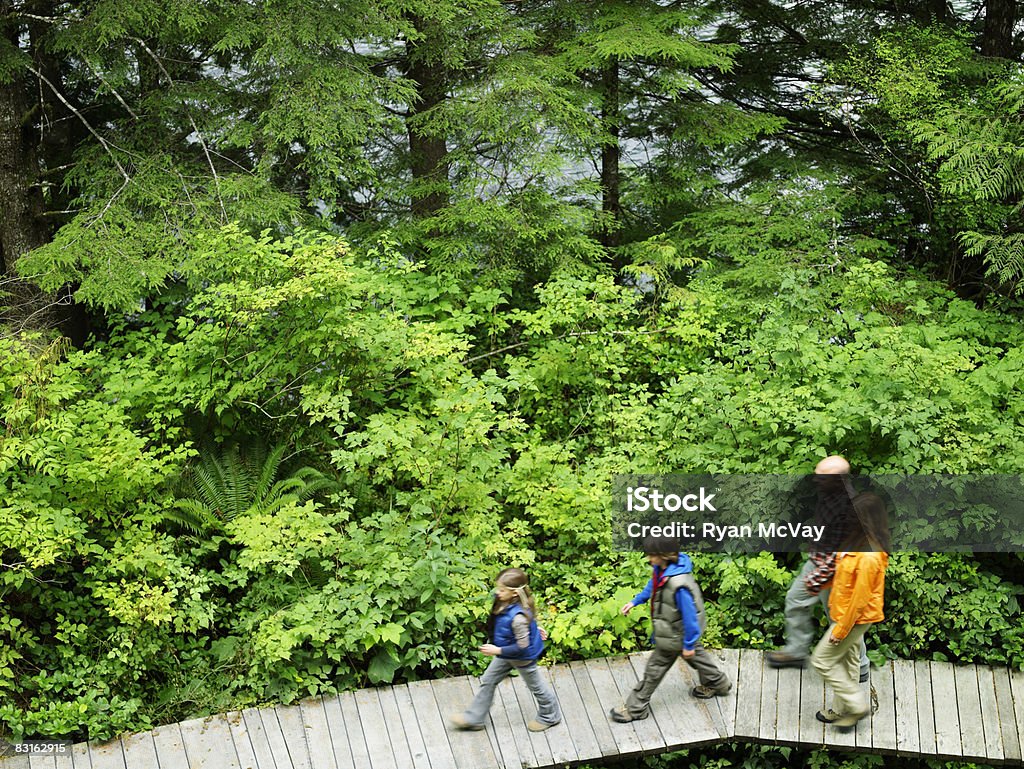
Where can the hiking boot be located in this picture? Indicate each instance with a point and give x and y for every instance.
(703, 692)
(848, 720)
(460, 723)
(827, 716)
(623, 716)
(842, 720)
(783, 660)
(539, 726)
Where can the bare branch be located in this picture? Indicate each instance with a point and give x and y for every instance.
(191, 120)
(103, 142)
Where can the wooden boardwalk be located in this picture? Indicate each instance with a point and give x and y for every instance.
(922, 709)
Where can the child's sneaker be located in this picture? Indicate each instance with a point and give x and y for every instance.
(460, 723)
(622, 715)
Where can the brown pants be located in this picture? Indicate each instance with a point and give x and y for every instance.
(659, 663)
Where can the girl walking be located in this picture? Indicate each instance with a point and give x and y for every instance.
(515, 642)
(855, 604)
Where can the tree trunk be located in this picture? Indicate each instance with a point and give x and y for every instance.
(997, 37)
(611, 203)
(428, 152)
(21, 199)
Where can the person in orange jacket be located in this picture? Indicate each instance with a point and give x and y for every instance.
(856, 602)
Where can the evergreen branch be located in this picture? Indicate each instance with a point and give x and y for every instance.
(191, 120)
(122, 102)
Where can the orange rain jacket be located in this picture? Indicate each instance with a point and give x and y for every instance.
(857, 590)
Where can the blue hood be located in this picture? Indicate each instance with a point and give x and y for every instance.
(683, 566)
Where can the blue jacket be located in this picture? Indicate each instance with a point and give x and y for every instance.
(684, 601)
(506, 639)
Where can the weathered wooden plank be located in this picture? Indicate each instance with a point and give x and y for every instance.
(42, 762)
(680, 682)
(80, 751)
(108, 755)
(925, 708)
(575, 716)
(417, 747)
(947, 720)
(63, 760)
(170, 748)
(276, 738)
(259, 741)
(727, 704)
(294, 732)
(560, 737)
(392, 721)
(908, 738)
(338, 731)
(626, 740)
(648, 730)
(240, 739)
(883, 720)
(1007, 719)
(432, 727)
(697, 718)
(787, 715)
(1017, 690)
(354, 729)
(748, 696)
(810, 730)
(596, 709)
(990, 714)
(378, 742)
(139, 751)
(474, 682)
(769, 704)
(517, 723)
(14, 762)
(318, 734)
(972, 733)
(208, 744)
(528, 706)
(472, 750)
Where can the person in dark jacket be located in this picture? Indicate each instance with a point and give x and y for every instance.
(677, 616)
(516, 641)
(833, 509)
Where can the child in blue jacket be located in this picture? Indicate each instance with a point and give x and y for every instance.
(677, 616)
(515, 642)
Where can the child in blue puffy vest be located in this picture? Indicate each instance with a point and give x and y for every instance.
(515, 642)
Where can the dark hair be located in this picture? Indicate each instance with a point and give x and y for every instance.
(870, 529)
(666, 547)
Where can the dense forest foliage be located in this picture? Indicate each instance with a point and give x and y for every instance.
(316, 315)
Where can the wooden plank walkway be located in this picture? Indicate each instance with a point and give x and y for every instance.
(966, 712)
